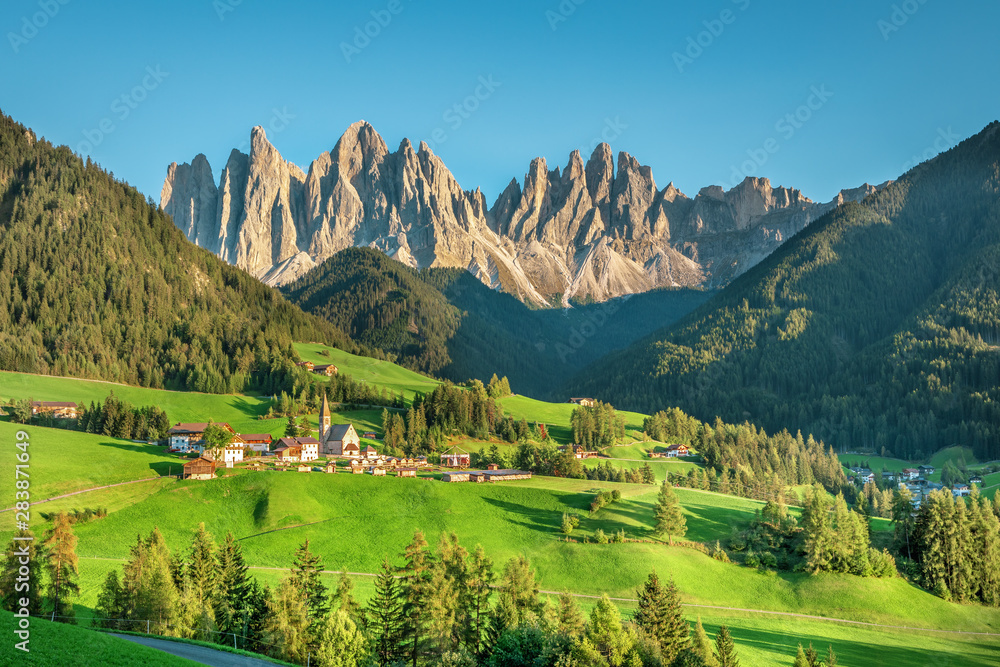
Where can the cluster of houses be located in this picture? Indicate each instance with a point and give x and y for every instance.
(492, 474)
(915, 480)
(57, 409)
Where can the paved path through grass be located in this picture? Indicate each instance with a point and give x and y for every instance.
(202, 654)
(693, 606)
(95, 488)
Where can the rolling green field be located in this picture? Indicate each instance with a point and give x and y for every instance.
(365, 369)
(58, 645)
(353, 521)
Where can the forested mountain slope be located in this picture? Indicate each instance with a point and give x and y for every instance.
(96, 282)
(446, 322)
(877, 326)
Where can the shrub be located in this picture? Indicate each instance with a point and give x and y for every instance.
(751, 560)
(600, 537)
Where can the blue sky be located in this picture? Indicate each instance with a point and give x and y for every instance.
(817, 96)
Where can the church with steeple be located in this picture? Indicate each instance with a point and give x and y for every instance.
(337, 439)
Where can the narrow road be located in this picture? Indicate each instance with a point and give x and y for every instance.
(96, 488)
(200, 654)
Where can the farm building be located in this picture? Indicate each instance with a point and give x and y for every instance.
(199, 468)
(585, 402)
(258, 442)
(307, 447)
(308, 365)
(977, 480)
(498, 475)
(370, 435)
(57, 409)
(406, 472)
(331, 468)
(455, 458)
(455, 477)
(369, 453)
(305, 468)
(324, 369)
(357, 468)
(288, 452)
(378, 472)
(232, 454)
(910, 473)
(190, 437)
(493, 466)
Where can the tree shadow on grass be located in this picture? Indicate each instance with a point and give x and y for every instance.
(849, 652)
(251, 408)
(532, 518)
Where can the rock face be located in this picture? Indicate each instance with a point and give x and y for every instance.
(589, 231)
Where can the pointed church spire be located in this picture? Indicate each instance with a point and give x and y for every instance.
(324, 419)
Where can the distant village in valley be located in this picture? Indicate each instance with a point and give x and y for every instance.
(340, 448)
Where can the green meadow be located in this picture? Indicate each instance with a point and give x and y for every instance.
(59, 644)
(353, 521)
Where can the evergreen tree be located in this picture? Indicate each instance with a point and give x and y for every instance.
(800, 659)
(702, 646)
(659, 614)
(61, 565)
(518, 591)
(725, 649)
(415, 592)
(669, 518)
(292, 427)
(305, 576)
(201, 568)
(571, 620)
(479, 586)
(340, 642)
(234, 589)
(110, 606)
(607, 635)
(385, 617)
(343, 599)
(287, 626)
(13, 584)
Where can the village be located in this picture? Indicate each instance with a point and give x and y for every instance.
(338, 445)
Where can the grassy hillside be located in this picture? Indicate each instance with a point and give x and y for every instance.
(57, 645)
(877, 326)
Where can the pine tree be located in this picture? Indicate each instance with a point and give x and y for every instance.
(817, 532)
(110, 606)
(725, 649)
(831, 657)
(800, 659)
(292, 427)
(287, 626)
(61, 565)
(571, 620)
(518, 590)
(659, 614)
(385, 617)
(343, 599)
(447, 592)
(702, 646)
(416, 580)
(479, 585)
(234, 589)
(607, 635)
(669, 519)
(305, 576)
(13, 585)
(340, 642)
(201, 568)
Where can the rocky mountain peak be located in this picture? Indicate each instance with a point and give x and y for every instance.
(588, 230)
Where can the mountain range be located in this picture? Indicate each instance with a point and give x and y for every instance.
(877, 327)
(588, 232)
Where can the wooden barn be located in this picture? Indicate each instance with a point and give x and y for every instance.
(454, 477)
(305, 468)
(585, 402)
(199, 468)
(406, 472)
(378, 472)
(492, 476)
(331, 468)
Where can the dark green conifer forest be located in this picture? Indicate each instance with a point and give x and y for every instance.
(875, 328)
(96, 282)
